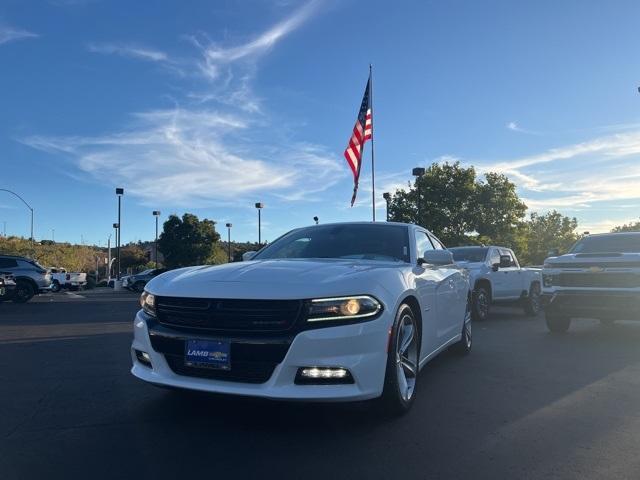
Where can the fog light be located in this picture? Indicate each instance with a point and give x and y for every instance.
(143, 358)
(323, 376)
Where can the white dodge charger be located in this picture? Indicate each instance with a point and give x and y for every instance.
(336, 312)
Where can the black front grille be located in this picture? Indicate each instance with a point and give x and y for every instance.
(244, 372)
(597, 280)
(251, 362)
(229, 315)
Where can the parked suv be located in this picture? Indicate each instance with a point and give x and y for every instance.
(7, 286)
(29, 275)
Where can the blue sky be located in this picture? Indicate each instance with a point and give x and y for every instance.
(209, 107)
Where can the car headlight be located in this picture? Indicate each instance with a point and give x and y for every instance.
(148, 303)
(343, 308)
(547, 280)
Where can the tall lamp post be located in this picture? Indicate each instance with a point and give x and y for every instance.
(116, 227)
(156, 213)
(229, 225)
(119, 193)
(28, 206)
(259, 206)
(418, 172)
(387, 199)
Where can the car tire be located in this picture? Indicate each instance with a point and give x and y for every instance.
(55, 286)
(481, 304)
(138, 287)
(464, 346)
(401, 375)
(557, 323)
(532, 302)
(23, 292)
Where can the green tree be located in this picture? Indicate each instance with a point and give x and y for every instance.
(499, 211)
(460, 208)
(447, 204)
(133, 256)
(187, 241)
(630, 227)
(548, 232)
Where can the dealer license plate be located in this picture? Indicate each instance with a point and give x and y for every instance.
(207, 354)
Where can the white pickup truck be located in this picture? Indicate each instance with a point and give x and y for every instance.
(599, 278)
(60, 278)
(496, 277)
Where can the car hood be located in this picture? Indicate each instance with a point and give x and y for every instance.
(276, 279)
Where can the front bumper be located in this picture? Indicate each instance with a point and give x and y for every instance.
(600, 304)
(361, 348)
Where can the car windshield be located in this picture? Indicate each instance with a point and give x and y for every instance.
(348, 241)
(618, 243)
(469, 254)
(145, 272)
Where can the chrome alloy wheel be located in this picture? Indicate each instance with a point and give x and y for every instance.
(467, 334)
(407, 356)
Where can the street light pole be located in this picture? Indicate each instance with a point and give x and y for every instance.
(259, 206)
(418, 172)
(28, 206)
(229, 225)
(119, 193)
(387, 199)
(156, 213)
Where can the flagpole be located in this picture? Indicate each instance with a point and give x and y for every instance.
(373, 164)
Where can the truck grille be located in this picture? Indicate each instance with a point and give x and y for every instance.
(597, 280)
(229, 315)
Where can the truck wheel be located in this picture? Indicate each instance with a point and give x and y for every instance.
(557, 323)
(55, 286)
(481, 304)
(23, 293)
(532, 302)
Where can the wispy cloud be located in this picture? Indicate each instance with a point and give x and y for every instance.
(187, 158)
(205, 151)
(12, 34)
(579, 175)
(215, 56)
(515, 127)
(131, 51)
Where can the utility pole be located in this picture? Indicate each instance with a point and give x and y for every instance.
(259, 206)
(156, 213)
(229, 225)
(28, 206)
(109, 257)
(119, 193)
(387, 199)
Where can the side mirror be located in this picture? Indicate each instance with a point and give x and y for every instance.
(248, 256)
(554, 252)
(505, 261)
(436, 257)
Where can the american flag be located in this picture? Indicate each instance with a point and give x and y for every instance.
(362, 131)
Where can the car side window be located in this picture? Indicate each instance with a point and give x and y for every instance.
(423, 243)
(8, 263)
(514, 260)
(508, 253)
(495, 256)
(437, 243)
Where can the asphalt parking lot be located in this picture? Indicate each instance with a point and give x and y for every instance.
(525, 404)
